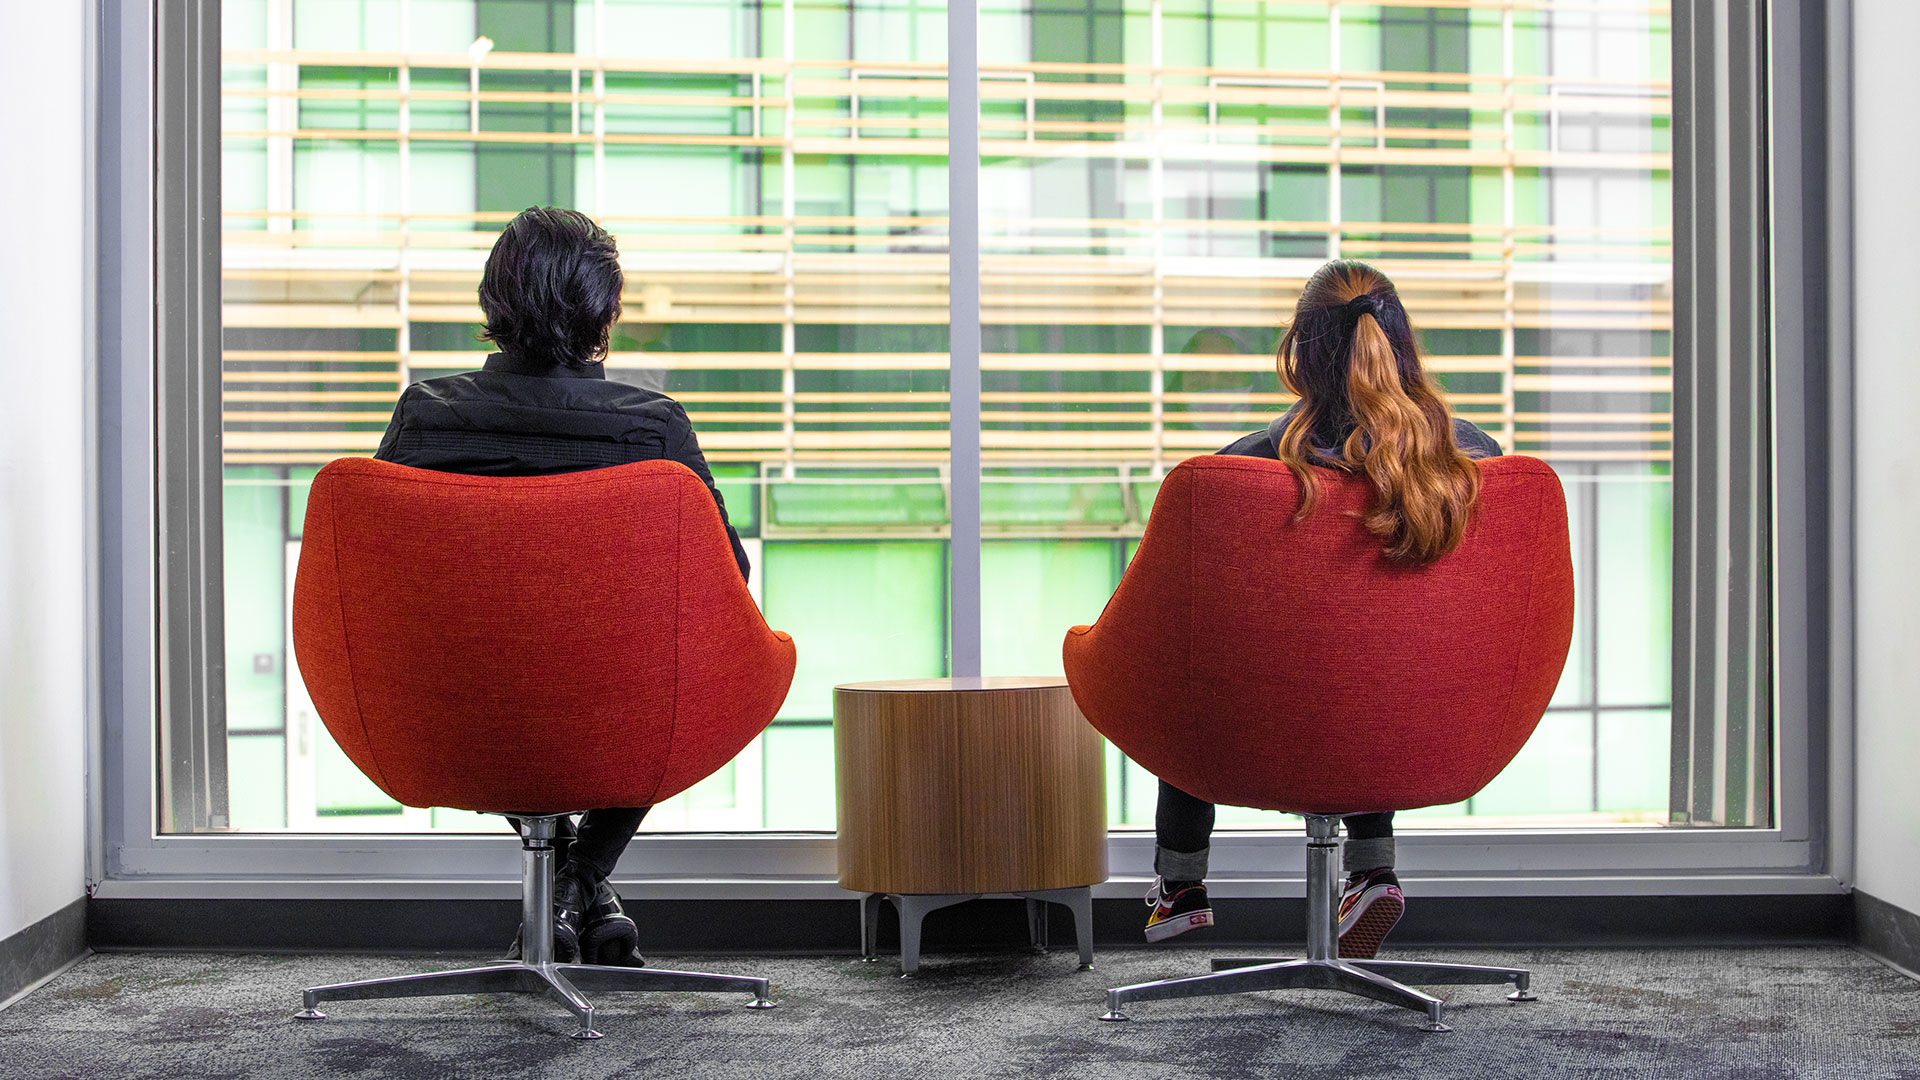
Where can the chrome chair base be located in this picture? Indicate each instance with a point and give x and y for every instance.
(913, 908)
(1322, 969)
(536, 972)
(563, 982)
(1366, 978)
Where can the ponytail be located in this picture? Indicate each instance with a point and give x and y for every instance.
(1402, 436)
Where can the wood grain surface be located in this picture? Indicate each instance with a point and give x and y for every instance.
(965, 786)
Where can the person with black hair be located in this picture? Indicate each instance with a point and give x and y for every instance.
(542, 405)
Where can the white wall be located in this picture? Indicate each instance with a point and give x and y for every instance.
(1887, 473)
(42, 667)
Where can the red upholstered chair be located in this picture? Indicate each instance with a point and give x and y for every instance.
(1253, 661)
(531, 646)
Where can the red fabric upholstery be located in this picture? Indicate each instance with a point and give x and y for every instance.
(1254, 662)
(535, 644)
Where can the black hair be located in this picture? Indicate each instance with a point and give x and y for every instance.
(551, 290)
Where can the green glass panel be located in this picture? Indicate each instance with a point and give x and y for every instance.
(1116, 764)
(1449, 810)
(255, 550)
(1003, 502)
(857, 497)
(445, 820)
(799, 778)
(1144, 492)
(301, 485)
(1634, 598)
(1032, 593)
(1141, 796)
(1636, 751)
(739, 486)
(857, 612)
(1576, 679)
(257, 781)
(340, 788)
(1552, 774)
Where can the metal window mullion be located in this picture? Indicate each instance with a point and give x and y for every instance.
(192, 669)
(1687, 106)
(1746, 698)
(1722, 757)
(963, 343)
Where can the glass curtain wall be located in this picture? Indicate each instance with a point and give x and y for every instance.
(1158, 178)
(1161, 176)
(775, 174)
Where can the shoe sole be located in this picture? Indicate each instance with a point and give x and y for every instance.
(1361, 940)
(610, 940)
(1180, 924)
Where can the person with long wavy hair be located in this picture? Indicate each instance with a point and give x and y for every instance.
(1366, 407)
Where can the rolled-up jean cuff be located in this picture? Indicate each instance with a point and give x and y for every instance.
(1180, 865)
(1370, 854)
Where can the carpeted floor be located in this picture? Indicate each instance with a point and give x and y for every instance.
(1798, 1013)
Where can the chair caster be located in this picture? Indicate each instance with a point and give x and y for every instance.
(309, 1014)
(1436, 1027)
(587, 1033)
(1114, 1016)
(1521, 995)
(762, 1003)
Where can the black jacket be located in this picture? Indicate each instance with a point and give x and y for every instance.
(512, 418)
(1266, 444)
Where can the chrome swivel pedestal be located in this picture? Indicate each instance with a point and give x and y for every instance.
(535, 972)
(1322, 969)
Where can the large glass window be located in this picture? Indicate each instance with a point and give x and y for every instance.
(1161, 178)
(1157, 178)
(776, 178)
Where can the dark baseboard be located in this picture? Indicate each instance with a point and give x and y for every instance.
(1888, 931)
(43, 948)
(832, 926)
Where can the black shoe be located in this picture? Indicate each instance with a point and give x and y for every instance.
(513, 950)
(570, 901)
(609, 936)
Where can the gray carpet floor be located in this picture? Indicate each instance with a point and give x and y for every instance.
(1800, 1013)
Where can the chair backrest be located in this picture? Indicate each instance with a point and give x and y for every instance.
(1253, 661)
(530, 644)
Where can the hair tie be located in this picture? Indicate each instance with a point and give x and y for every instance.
(1364, 304)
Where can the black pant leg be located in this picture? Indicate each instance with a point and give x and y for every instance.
(1369, 843)
(603, 836)
(1182, 822)
(1370, 826)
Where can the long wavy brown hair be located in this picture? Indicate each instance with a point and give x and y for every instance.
(1349, 353)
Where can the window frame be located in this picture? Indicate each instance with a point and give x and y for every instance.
(157, 280)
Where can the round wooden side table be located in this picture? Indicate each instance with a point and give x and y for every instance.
(953, 789)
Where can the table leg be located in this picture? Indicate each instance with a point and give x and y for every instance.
(1080, 902)
(913, 909)
(870, 927)
(1036, 924)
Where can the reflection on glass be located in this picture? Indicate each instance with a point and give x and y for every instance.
(1159, 178)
